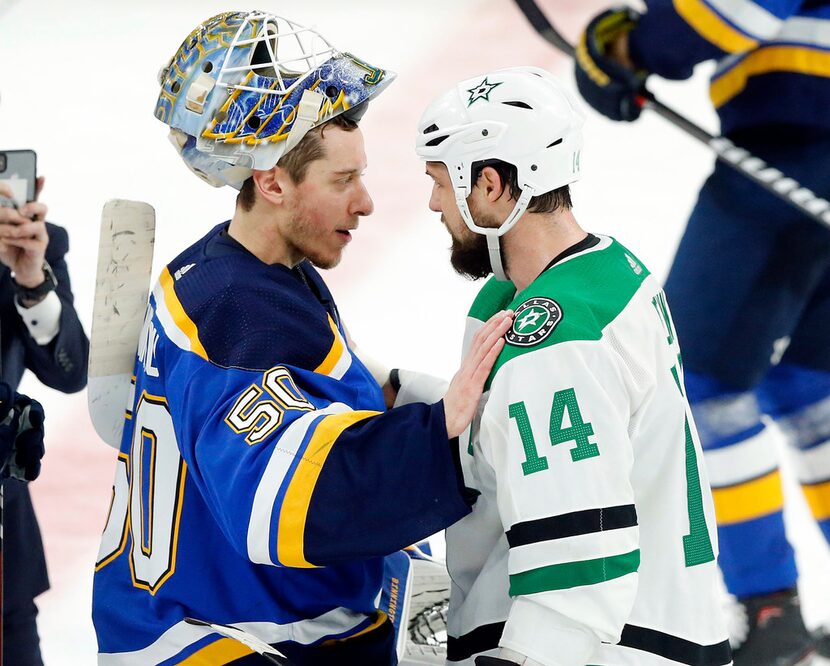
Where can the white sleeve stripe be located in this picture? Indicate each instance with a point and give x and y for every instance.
(173, 332)
(749, 17)
(573, 549)
(282, 457)
(801, 30)
(343, 363)
(183, 634)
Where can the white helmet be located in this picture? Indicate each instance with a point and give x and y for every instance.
(245, 87)
(520, 115)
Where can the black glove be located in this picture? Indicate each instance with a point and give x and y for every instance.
(21, 435)
(612, 89)
(493, 661)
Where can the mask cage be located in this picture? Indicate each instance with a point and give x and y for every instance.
(282, 49)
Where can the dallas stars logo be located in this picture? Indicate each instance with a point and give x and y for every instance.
(481, 91)
(535, 320)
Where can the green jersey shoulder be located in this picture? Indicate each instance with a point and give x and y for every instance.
(574, 299)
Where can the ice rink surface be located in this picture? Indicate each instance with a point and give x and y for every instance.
(78, 85)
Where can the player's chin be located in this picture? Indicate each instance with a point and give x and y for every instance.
(326, 260)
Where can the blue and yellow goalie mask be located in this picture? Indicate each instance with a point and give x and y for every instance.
(245, 87)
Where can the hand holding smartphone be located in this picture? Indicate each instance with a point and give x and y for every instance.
(18, 173)
(23, 235)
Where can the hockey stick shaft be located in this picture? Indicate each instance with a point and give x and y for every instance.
(771, 179)
(122, 284)
(256, 644)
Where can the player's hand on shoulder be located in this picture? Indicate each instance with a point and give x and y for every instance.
(461, 400)
(605, 74)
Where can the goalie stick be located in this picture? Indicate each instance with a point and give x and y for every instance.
(122, 284)
(754, 168)
(416, 655)
(257, 645)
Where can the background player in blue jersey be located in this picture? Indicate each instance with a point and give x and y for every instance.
(261, 481)
(751, 276)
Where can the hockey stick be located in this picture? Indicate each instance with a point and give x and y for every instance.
(249, 640)
(122, 284)
(741, 160)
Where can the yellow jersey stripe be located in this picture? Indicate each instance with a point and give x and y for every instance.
(799, 59)
(335, 352)
(818, 497)
(379, 620)
(706, 22)
(180, 318)
(747, 501)
(294, 510)
(223, 651)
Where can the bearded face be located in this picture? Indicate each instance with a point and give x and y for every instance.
(469, 255)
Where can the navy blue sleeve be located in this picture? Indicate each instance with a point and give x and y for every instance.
(675, 35)
(62, 364)
(391, 481)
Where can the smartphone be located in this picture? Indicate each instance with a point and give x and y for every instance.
(18, 170)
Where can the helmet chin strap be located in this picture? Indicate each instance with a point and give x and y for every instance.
(494, 250)
(308, 111)
(494, 234)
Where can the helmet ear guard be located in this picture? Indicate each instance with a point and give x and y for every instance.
(521, 116)
(247, 86)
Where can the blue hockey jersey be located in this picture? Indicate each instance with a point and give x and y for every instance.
(773, 56)
(260, 480)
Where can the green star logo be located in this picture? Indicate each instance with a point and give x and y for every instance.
(535, 320)
(481, 91)
(532, 320)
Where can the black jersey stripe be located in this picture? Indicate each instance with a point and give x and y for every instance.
(487, 637)
(480, 639)
(674, 648)
(571, 524)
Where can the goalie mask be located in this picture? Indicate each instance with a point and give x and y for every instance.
(245, 87)
(521, 116)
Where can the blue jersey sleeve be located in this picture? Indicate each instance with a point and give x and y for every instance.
(675, 35)
(296, 478)
(285, 432)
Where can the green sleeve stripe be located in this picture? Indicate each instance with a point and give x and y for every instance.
(574, 574)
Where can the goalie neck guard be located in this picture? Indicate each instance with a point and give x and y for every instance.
(521, 116)
(245, 87)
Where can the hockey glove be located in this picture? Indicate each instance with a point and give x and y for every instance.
(21, 435)
(611, 88)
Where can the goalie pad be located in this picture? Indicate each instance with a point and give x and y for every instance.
(416, 596)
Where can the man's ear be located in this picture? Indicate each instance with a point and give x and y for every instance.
(491, 184)
(273, 184)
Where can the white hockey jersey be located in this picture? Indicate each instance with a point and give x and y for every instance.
(593, 540)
